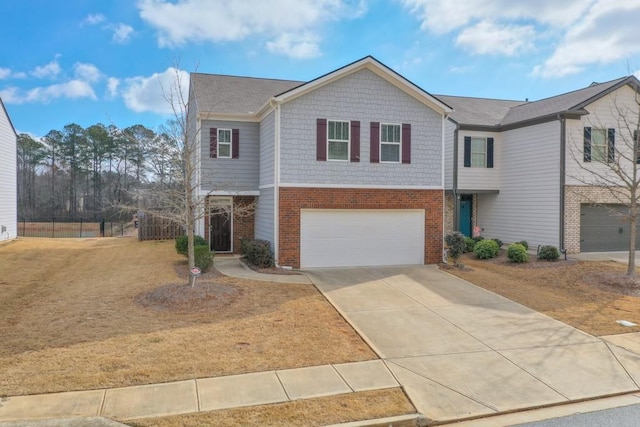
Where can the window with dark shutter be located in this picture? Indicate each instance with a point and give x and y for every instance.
(235, 143)
(213, 143)
(587, 144)
(374, 146)
(489, 152)
(406, 143)
(611, 145)
(467, 151)
(321, 139)
(355, 141)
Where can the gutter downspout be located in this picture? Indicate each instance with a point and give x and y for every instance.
(445, 117)
(563, 150)
(276, 181)
(456, 198)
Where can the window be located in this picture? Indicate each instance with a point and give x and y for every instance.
(478, 152)
(224, 143)
(599, 146)
(390, 143)
(338, 140)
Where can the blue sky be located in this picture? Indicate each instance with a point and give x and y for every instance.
(90, 61)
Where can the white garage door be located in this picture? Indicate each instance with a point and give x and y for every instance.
(344, 238)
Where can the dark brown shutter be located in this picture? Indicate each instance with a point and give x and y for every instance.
(611, 145)
(587, 144)
(374, 146)
(467, 151)
(235, 143)
(321, 140)
(213, 143)
(489, 152)
(355, 141)
(636, 146)
(406, 143)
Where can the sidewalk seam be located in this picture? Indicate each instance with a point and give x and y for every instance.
(621, 364)
(197, 394)
(286, 393)
(343, 379)
(104, 399)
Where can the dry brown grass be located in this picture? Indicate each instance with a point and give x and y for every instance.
(309, 412)
(69, 320)
(577, 293)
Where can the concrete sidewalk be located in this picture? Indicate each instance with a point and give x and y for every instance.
(460, 351)
(230, 265)
(205, 394)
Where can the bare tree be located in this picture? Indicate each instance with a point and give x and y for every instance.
(609, 160)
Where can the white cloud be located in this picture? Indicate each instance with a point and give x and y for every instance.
(150, 93)
(87, 72)
(50, 70)
(72, 89)
(276, 21)
(4, 73)
(93, 19)
(112, 86)
(295, 45)
(608, 33)
(121, 32)
(461, 70)
(489, 38)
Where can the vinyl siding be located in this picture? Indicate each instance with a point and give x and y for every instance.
(528, 205)
(267, 143)
(365, 97)
(264, 216)
(449, 142)
(477, 178)
(610, 111)
(231, 175)
(193, 138)
(8, 178)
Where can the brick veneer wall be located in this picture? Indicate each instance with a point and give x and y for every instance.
(243, 220)
(449, 207)
(294, 199)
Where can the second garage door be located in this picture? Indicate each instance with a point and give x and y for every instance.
(604, 228)
(344, 238)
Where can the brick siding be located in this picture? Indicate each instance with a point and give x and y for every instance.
(294, 199)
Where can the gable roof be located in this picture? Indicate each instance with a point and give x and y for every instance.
(224, 94)
(478, 111)
(6, 113)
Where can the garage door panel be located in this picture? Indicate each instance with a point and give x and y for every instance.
(337, 238)
(604, 228)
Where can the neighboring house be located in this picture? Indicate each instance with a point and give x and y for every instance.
(523, 170)
(344, 170)
(8, 177)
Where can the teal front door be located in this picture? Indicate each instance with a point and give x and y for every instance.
(466, 205)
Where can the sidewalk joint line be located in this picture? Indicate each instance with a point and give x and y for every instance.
(102, 403)
(620, 363)
(286, 393)
(197, 394)
(343, 379)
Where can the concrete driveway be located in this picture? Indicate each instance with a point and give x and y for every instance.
(461, 351)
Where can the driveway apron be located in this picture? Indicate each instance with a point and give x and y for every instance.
(461, 351)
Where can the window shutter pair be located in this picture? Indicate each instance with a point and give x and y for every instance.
(213, 143)
(467, 152)
(321, 140)
(374, 146)
(611, 145)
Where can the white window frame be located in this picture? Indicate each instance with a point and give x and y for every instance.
(230, 143)
(348, 141)
(398, 144)
(484, 152)
(600, 149)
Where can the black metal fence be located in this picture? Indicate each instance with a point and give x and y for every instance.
(71, 227)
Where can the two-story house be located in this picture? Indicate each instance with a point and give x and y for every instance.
(535, 170)
(346, 169)
(8, 177)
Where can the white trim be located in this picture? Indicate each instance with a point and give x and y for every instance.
(230, 193)
(262, 187)
(230, 143)
(276, 188)
(348, 141)
(445, 117)
(229, 117)
(398, 144)
(364, 186)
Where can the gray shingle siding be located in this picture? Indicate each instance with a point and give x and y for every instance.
(368, 98)
(449, 142)
(239, 174)
(267, 143)
(264, 216)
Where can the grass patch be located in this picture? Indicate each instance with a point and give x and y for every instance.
(76, 316)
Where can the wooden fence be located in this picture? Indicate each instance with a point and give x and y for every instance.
(154, 228)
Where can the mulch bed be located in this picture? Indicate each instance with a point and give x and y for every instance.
(182, 298)
(269, 270)
(533, 262)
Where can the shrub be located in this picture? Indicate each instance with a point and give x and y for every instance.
(517, 253)
(523, 243)
(203, 257)
(257, 252)
(498, 242)
(478, 238)
(486, 249)
(456, 243)
(549, 253)
(469, 244)
(182, 243)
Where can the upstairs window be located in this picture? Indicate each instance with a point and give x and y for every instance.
(478, 152)
(599, 145)
(224, 143)
(338, 140)
(390, 143)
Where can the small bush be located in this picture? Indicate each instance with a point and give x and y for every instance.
(549, 253)
(469, 244)
(486, 249)
(517, 253)
(182, 243)
(456, 243)
(523, 243)
(498, 242)
(478, 238)
(257, 252)
(202, 257)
